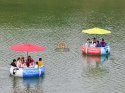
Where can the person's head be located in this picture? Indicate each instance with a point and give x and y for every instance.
(94, 38)
(18, 58)
(29, 57)
(88, 39)
(14, 60)
(36, 63)
(102, 39)
(40, 59)
(97, 41)
(22, 58)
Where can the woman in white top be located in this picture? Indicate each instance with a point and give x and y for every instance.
(23, 62)
(87, 44)
(18, 62)
(93, 45)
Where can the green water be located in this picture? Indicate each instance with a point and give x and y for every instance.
(48, 22)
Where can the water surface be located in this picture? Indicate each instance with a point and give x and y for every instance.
(47, 23)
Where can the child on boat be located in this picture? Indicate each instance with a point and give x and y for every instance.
(40, 62)
(36, 65)
(98, 44)
(13, 63)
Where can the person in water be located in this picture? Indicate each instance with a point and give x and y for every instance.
(13, 63)
(40, 62)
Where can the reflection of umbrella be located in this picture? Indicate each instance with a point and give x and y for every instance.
(27, 48)
(96, 31)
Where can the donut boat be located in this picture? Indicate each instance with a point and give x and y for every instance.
(96, 50)
(27, 72)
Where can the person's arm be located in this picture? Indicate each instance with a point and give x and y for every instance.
(32, 60)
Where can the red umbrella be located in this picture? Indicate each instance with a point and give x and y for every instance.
(27, 48)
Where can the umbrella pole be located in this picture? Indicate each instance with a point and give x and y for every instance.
(27, 54)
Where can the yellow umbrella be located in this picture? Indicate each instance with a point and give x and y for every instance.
(96, 31)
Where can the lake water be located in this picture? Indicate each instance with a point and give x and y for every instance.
(48, 22)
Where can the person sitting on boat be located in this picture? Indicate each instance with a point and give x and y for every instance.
(40, 62)
(23, 62)
(87, 44)
(98, 44)
(29, 62)
(103, 43)
(93, 44)
(18, 62)
(36, 65)
(94, 40)
(13, 63)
